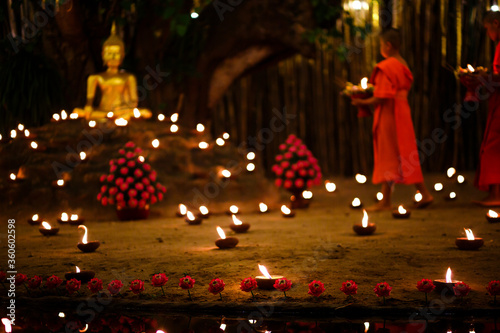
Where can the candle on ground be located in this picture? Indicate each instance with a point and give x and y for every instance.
(364, 228)
(266, 280)
(85, 245)
(225, 242)
(470, 242)
(238, 226)
(401, 213)
(47, 230)
(287, 212)
(446, 283)
(492, 216)
(83, 276)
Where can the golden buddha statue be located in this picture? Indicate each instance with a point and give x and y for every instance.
(118, 88)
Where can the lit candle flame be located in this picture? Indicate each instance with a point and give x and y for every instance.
(250, 167)
(225, 136)
(141, 158)
(285, 210)
(364, 83)
(367, 326)
(46, 225)
(56, 117)
(64, 217)
(110, 114)
(223, 327)
(203, 145)
(155, 143)
(356, 202)
(448, 275)
(7, 324)
(470, 234)
(190, 216)
(364, 221)
(450, 172)
(20, 127)
(360, 178)
(234, 209)
(236, 221)
(470, 68)
(64, 115)
(264, 271)
(92, 123)
(263, 207)
(200, 128)
(460, 179)
(73, 115)
(13, 134)
(174, 117)
(330, 187)
(182, 209)
(74, 217)
(84, 329)
(77, 269)
(492, 213)
(203, 210)
(438, 187)
(60, 182)
(221, 233)
(220, 141)
(307, 194)
(453, 195)
(174, 128)
(251, 156)
(35, 217)
(13, 176)
(26, 133)
(83, 155)
(61, 315)
(34, 145)
(137, 113)
(401, 210)
(380, 196)
(84, 238)
(161, 117)
(226, 173)
(121, 122)
(418, 197)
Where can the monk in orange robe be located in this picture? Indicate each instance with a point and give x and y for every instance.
(488, 172)
(396, 158)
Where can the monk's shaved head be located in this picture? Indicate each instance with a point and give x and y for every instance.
(392, 36)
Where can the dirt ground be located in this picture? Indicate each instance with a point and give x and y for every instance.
(318, 244)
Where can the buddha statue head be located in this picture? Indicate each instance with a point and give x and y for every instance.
(113, 49)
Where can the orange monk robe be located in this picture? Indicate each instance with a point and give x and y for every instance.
(488, 171)
(395, 148)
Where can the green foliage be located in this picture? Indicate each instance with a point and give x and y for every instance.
(30, 90)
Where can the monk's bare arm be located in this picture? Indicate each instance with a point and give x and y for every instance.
(366, 102)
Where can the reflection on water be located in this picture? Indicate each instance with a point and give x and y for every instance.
(60, 321)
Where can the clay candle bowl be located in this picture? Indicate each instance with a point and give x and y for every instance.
(266, 281)
(64, 218)
(263, 208)
(191, 219)
(84, 276)
(356, 204)
(47, 230)
(181, 211)
(447, 283)
(492, 216)
(401, 213)
(204, 212)
(470, 242)
(364, 228)
(35, 220)
(76, 220)
(86, 246)
(225, 242)
(233, 210)
(287, 212)
(238, 226)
